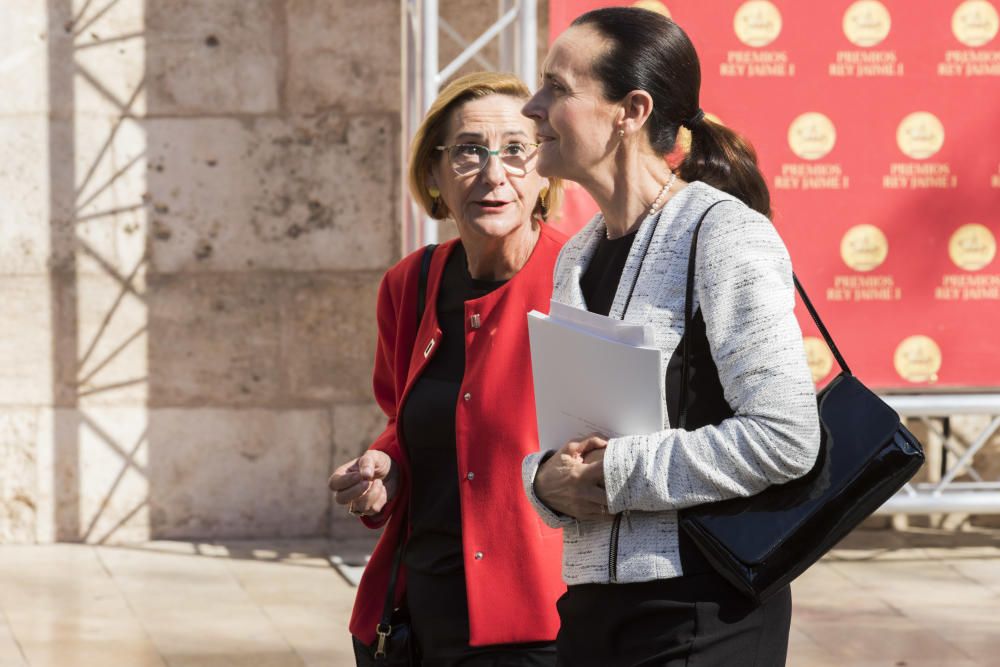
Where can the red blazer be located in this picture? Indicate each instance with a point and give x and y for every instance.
(512, 560)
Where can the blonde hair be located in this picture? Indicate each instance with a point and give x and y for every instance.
(431, 134)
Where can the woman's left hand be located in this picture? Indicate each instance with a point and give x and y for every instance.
(571, 482)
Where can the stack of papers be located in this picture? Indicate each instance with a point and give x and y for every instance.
(593, 374)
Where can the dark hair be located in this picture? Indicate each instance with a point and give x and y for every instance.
(650, 52)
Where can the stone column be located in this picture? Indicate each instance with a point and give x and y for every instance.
(271, 134)
(26, 242)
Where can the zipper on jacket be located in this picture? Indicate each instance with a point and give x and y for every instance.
(613, 551)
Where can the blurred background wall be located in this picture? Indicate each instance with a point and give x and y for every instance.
(197, 201)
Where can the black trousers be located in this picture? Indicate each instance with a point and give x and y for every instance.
(517, 655)
(690, 621)
(439, 615)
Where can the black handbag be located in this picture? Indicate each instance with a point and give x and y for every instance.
(394, 644)
(762, 542)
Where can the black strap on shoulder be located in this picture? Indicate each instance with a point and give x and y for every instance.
(688, 315)
(425, 268)
(385, 623)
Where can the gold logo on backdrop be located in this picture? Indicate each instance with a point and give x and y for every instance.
(864, 247)
(918, 359)
(867, 22)
(975, 23)
(972, 247)
(920, 135)
(812, 135)
(757, 23)
(819, 358)
(652, 6)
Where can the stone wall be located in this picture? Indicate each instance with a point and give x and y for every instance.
(199, 200)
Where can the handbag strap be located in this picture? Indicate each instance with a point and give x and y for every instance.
(688, 316)
(425, 269)
(384, 625)
(390, 597)
(821, 326)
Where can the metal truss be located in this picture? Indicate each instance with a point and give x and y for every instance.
(959, 488)
(516, 28)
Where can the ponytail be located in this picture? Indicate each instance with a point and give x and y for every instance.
(725, 160)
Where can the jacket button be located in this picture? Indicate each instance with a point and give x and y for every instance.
(470, 476)
(467, 397)
(479, 555)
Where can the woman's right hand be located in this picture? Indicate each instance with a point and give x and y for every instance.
(365, 484)
(571, 481)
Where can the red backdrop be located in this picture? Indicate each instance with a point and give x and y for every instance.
(877, 126)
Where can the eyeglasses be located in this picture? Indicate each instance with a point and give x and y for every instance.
(517, 158)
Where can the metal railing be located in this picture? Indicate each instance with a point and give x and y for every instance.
(973, 494)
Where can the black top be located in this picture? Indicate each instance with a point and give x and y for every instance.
(428, 426)
(600, 281)
(435, 590)
(705, 399)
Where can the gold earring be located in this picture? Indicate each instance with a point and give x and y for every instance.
(433, 192)
(543, 202)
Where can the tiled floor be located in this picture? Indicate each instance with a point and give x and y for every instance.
(887, 600)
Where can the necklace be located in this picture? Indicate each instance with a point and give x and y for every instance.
(663, 193)
(658, 202)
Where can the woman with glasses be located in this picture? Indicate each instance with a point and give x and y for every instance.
(618, 86)
(480, 572)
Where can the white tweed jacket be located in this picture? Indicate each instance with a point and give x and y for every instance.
(743, 285)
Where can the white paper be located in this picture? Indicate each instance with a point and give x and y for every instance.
(640, 335)
(587, 382)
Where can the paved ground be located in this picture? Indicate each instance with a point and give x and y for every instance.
(891, 600)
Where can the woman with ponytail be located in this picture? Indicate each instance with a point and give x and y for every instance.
(617, 87)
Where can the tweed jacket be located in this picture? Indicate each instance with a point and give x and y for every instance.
(745, 293)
